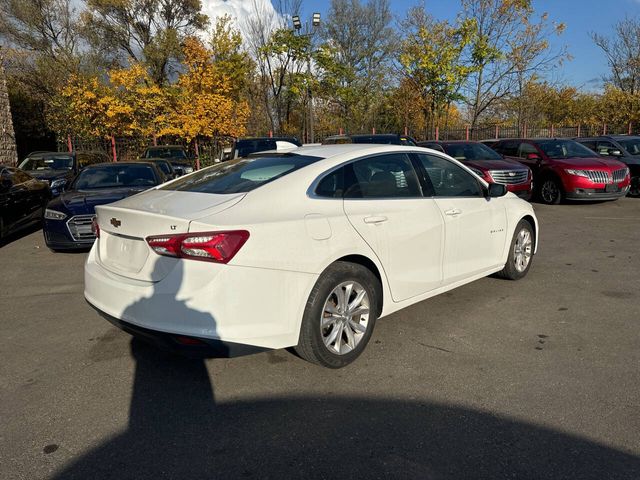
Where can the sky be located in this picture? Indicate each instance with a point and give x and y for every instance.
(587, 66)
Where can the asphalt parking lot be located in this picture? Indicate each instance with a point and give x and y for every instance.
(532, 379)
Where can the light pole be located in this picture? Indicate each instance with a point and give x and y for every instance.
(297, 25)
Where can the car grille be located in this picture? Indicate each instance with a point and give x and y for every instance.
(619, 175)
(80, 228)
(599, 176)
(509, 177)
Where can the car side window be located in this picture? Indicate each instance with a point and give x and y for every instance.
(604, 147)
(525, 149)
(332, 185)
(508, 148)
(382, 176)
(589, 144)
(449, 179)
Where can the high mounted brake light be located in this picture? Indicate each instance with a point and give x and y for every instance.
(219, 247)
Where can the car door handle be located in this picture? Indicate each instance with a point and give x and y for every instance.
(380, 219)
(453, 212)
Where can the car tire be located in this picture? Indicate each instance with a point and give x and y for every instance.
(634, 189)
(520, 252)
(334, 332)
(550, 191)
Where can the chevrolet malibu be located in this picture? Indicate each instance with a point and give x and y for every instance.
(303, 249)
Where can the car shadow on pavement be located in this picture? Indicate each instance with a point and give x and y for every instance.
(17, 235)
(177, 430)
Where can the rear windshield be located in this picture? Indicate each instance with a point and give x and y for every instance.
(242, 175)
(115, 176)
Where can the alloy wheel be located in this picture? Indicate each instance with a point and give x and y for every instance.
(522, 250)
(345, 317)
(549, 191)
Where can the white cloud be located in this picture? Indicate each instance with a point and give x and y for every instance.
(243, 10)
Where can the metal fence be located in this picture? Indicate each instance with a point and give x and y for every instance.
(210, 150)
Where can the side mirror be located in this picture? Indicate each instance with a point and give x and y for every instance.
(533, 156)
(497, 190)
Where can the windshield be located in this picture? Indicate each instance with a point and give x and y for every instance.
(565, 149)
(470, 151)
(115, 176)
(165, 167)
(632, 145)
(47, 162)
(242, 175)
(160, 152)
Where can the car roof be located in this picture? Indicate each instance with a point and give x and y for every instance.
(43, 153)
(173, 147)
(442, 142)
(116, 164)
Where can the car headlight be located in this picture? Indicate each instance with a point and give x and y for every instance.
(188, 169)
(61, 182)
(579, 173)
(54, 215)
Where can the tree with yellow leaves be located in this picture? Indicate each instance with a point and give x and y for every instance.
(203, 103)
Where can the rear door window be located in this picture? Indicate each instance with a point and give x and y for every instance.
(382, 176)
(525, 149)
(508, 148)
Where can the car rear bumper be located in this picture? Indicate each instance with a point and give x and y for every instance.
(596, 194)
(196, 347)
(214, 303)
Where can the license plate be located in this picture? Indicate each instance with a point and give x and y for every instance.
(612, 187)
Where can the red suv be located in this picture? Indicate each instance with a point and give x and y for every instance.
(563, 168)
(487, 164)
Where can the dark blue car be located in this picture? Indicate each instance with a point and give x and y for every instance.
(68, 218)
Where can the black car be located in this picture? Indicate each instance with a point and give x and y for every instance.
(59, 168)
(22, 200)
(246, 146)
(176, 155)
(625, 148)
(378, 139)
(68, 218)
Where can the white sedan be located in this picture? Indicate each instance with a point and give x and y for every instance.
(302, 249)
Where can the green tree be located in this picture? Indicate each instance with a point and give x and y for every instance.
(431, 57)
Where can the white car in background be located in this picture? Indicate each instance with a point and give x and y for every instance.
(305, 249)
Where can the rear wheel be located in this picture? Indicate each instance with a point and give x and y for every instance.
(520, 252)
(550, 191)
(340, 315)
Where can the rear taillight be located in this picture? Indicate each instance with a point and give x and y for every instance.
(218, 247)
(95, 228)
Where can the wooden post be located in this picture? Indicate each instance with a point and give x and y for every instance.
(69, 143)
(552, 131)
(578, 131)
(155, 140)
(437, 133)
(524, 134)
(113, 148)
(467, 132)
(341, 131)
(497, 132)
(197, 156)
(406, 131)
(373, 131)
(270, 133)
(604, 128)
(630, 129)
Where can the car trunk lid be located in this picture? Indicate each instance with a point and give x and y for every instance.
(125, 225)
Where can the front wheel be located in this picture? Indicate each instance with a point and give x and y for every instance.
(520, 252)
(634, 189)
(550, 191)
(340, 315)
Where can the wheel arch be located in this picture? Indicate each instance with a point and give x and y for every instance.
(534, 225)
(370, 265)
